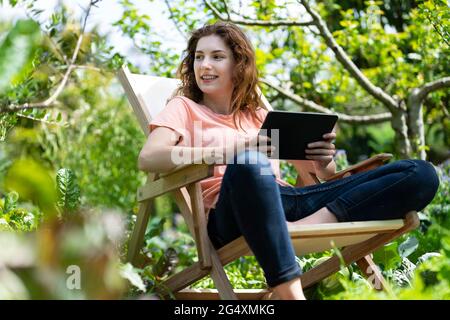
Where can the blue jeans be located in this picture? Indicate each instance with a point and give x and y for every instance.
(252, 204)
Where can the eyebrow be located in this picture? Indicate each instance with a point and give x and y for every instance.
(214, 51)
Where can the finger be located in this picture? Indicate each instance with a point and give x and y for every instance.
(329, 136)
(325, 152)
(321, 158)
(321, 144)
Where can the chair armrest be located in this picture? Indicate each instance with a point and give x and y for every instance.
(365, 165)
(177, 178)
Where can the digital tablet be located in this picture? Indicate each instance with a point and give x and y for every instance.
(295, 131)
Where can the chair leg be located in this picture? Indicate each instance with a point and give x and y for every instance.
(372, 272)
(195, 272)
(220, 278)
(138, 233)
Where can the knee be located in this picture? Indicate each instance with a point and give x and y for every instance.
(248, 164)
(426, 181)
(251, 157)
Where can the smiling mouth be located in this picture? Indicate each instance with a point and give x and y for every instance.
(206, 78)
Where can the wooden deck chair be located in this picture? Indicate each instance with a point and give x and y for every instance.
(357, 240)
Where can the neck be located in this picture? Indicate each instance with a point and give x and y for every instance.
(218, 104)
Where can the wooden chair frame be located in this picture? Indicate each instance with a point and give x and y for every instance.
(357, 239)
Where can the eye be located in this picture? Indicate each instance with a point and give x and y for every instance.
(198, 57)
(218, 57)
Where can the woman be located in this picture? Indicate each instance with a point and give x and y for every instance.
(215, 118)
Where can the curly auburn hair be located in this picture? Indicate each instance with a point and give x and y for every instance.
(245, 95)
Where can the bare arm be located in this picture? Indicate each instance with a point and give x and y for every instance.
(161, 154)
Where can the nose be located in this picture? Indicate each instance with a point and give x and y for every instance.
(205, 64)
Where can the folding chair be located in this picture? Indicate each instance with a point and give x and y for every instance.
(357, 240)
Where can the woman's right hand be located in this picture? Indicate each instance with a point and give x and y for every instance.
(257, 143)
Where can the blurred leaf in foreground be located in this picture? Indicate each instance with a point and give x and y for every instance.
(33, 182)
(17, 51)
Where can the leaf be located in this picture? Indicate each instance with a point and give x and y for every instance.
(68, 190)
(155, 227)
(165, 263)
(128, 272)
(32, 181)
(4, 225)
(11, 201)
(408, 247)
(17, 51)
(388, 256)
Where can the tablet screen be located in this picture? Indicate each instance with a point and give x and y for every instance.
(291, 132)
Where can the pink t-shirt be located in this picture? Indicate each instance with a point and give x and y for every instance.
(199, 126)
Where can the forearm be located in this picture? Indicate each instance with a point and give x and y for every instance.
(325, 172)
(166, 158)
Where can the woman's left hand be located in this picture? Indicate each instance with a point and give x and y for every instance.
(322, 151)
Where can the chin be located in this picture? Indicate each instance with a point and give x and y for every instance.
(208, 90)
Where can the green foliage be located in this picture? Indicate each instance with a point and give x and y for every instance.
(429, 280)
(33, 183)
(137, 26)
(362, 142)
(387, 257)
(93, 135)
(17, 51)
(18, 217)
(68, 190)
(341, 160)
(107, 170)
(127, 271)
(437, 13)
(435, 219)
(381, 138)
(288, 172)
(99, 144)
(79, 259)
(244, 273)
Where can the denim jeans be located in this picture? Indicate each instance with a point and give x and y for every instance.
(252, 204)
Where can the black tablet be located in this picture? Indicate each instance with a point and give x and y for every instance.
(295, 131)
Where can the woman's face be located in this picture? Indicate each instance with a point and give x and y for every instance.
(213, 66)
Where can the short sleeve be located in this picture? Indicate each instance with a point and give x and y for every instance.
(175, 116)
(261, 114)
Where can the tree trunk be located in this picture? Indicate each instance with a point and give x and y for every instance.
(416, 128)
(400, 126)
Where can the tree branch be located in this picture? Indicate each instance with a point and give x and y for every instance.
(86, 67)
(348, 64)
(419, 94)
(254, 22)
(225, 5)
(174, 20)
(52, 99)
(376, 118)
(19, 114)
(415, 112)
(52, 43)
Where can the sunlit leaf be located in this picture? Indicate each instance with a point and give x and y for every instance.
(17, 50)
(33, 183)
(128, 272)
